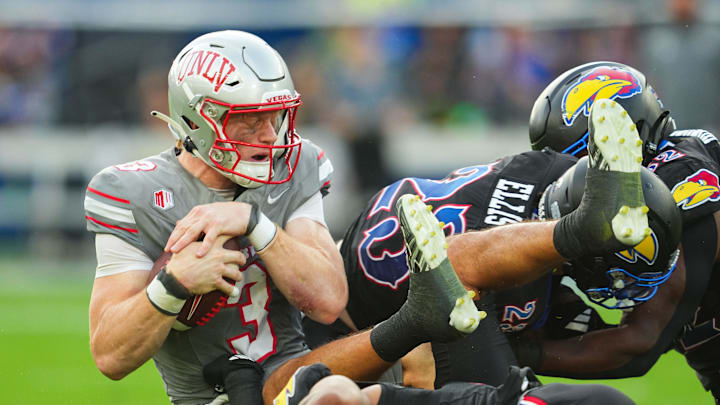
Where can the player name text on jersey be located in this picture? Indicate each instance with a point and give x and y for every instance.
(509, 200)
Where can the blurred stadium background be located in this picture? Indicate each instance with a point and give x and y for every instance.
(390, 88)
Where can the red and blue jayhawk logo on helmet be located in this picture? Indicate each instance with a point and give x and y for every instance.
(602, 82)
(697, 189)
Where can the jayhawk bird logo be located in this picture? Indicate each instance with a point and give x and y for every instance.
(602, 82)
(697, 189)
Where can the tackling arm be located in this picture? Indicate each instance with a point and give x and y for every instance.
(505, 256)
(628, 350)
(646, 333)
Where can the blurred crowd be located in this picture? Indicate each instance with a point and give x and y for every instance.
(360, 80)
(363, 83)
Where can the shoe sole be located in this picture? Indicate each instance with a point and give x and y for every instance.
(615, 135)
(423, 233)
(426, 247)
(616, 138)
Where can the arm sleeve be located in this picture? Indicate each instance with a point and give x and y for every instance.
(114, 256)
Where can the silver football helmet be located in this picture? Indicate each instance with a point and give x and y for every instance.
(221, 74)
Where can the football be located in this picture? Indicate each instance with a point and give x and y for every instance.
(199, 309)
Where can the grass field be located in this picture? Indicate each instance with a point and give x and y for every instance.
(45, 358)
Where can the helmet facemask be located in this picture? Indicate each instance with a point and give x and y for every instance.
(624, 288)
(225, 153)
(579, 147)
(653, 134)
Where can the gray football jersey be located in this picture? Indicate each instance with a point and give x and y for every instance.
(141, 201)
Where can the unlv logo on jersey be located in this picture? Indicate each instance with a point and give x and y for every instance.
(163, 199)
(209, 65)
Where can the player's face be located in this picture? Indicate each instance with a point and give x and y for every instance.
(258, 128)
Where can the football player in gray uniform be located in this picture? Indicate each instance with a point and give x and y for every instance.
(239, 170)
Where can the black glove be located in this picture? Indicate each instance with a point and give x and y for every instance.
(238, 376)
(518, 381)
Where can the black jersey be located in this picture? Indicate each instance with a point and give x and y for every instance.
(521, 387)
(690, 165)
(470, 198)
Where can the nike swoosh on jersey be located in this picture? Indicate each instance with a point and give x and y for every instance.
(271, 199)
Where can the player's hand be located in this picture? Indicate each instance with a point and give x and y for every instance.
(204, 274)
(223, 218)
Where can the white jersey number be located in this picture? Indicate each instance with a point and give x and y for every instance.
(137, 166)
(253, 307)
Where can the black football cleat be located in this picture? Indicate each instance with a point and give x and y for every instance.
(614, 145)
(612, 214)
(436, 295)
(237, 377)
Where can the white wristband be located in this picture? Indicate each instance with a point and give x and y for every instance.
(263, 233)
(162, 299)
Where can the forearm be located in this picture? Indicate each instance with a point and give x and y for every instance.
(599, 354)
(630, 349)
(505, 256)
(125, 335)
(309, 277)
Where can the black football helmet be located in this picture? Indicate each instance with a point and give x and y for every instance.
(629, 277)
(559, 118)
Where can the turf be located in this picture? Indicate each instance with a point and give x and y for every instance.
(670, 381)
(45, 355)
(44, 344)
